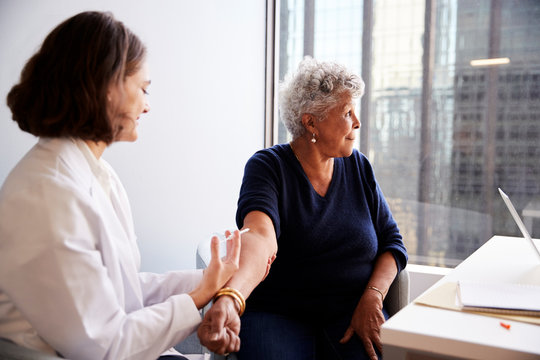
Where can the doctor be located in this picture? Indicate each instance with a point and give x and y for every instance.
(69, 263)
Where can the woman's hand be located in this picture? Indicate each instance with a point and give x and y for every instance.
(220, 327)
(219, 271)
(366, 323)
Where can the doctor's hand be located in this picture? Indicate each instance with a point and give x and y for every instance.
(219, 271)
(366, 323)
(220, 327)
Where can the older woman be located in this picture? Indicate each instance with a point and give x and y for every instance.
(317, 201)
(69, 263)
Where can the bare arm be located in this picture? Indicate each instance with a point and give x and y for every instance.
(384, 273)
(368, 317)
(259, 248)
(221, 324)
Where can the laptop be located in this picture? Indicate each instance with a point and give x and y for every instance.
(518, 221)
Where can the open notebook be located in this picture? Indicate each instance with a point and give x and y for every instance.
(502, 298)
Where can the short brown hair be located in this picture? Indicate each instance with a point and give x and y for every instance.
(63, 87)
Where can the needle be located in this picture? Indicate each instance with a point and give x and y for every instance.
(241, 232)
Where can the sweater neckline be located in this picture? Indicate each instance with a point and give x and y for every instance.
(335, 174)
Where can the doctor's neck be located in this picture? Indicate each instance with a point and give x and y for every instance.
(97, 148)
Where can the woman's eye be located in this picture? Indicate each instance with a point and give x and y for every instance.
(145, 92)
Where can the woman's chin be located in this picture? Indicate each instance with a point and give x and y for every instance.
(348, 151)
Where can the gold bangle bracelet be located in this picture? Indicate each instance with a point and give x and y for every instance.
(237, 297)
(377, 290)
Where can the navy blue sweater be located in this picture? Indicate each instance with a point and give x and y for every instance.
(327, 246)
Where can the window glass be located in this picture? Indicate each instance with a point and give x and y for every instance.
(442, 131)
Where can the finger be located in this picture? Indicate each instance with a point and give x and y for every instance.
(377, 342)
(227, 245)
(369, 349)
(237, 343)
(214, 248)
(230, 246)
(218, 347)
(229, 249)
(225, 344)
(376, 337)
(348, 335)
(235, 247)
(234, 341)
(217, 342)
(213, 341)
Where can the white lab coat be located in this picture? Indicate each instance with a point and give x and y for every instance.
(69, 264)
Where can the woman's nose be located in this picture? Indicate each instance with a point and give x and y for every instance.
(356, 123)
(146, 108)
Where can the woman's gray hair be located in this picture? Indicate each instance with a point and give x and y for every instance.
(315, 88)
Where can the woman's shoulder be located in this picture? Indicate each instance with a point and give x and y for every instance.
(276, 162)
(277, 151)
(276, 154)
(358, 158)
(358, 165)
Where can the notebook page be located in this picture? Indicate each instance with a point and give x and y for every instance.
(499, 296)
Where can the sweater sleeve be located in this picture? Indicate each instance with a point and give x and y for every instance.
(260, 189)
(390, 238)
(388, 234)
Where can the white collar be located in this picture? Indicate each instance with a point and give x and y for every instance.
(97, 166)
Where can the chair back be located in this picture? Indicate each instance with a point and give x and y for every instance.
(398, 295)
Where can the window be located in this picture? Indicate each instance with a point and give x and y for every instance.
(442, 132)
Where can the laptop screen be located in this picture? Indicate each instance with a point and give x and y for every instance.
(518, 221)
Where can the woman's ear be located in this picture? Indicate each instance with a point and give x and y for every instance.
(308, 121)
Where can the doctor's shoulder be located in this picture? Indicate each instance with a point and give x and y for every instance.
(40, 175)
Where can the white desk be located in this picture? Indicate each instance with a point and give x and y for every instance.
(422, 332)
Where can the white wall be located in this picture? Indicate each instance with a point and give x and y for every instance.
(207, 111)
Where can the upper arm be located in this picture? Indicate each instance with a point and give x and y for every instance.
(260, 192)
(262, 226)
(259, 248)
